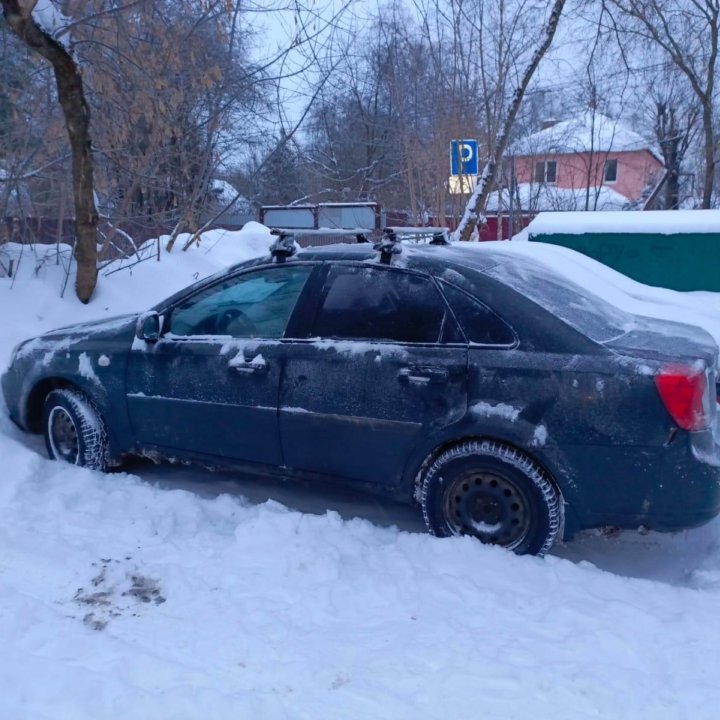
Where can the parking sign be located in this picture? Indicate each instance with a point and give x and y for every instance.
(463, 157)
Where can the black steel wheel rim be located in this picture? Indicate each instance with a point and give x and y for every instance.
(488, 506)
(63, 435)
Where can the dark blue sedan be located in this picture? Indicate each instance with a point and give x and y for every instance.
(512, 404)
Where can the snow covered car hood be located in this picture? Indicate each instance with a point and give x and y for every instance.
(113, 323)
(63, 338)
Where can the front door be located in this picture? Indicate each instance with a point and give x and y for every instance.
(210, 384)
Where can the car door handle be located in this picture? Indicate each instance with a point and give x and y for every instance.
(418, 375)
(256, 366)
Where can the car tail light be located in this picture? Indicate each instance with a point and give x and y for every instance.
(684, 392)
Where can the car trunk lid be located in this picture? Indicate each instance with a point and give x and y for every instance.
(668, 341)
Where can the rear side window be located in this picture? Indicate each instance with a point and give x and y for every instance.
(479, 323)
(371, 303)
(578, 306)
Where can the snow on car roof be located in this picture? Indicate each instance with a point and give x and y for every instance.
(466, 254)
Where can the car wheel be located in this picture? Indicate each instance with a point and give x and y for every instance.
(494, 493)
(74, 431)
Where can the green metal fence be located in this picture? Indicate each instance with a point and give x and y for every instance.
(679, 261)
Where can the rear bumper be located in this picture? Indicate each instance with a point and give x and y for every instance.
(668, 488)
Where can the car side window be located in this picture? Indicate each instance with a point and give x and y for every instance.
(371, 303)
(258, 304)
(479, 323)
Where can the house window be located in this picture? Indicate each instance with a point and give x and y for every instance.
(611, 171)
(546, 171)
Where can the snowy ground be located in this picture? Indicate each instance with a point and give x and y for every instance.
(180, 593)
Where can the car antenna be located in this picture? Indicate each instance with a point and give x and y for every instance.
(388, 245)
(284, 247)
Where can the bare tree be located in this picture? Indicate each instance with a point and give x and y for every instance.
(354, 147)
(27, 167)
(476, 203)
(675, 127)
(687, 32)
(18, 14)
(382, 127)
(171, 80)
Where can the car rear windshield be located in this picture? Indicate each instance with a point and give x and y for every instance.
(580, 308)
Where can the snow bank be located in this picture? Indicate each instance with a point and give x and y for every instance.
(124, 286)
(124, 600)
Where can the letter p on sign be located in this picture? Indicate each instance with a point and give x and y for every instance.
(463, 157)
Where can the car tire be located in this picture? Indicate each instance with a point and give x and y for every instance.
(74, 430)
(495, 493)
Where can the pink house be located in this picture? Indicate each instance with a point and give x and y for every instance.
(587, 163)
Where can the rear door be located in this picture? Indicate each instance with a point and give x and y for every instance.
(382, 366)
(210, 385)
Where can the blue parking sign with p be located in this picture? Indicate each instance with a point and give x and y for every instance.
(463, 157)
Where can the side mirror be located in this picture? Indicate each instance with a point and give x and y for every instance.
(148, 327)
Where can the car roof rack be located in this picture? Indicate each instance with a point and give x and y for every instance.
(361, 235)
(425, 235)
(388, 245)
(284, 247)
(440, 238)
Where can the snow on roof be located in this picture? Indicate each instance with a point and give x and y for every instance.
(367, 203)
(224, 191)
(587, 132)
(541, 197)
(664, 222)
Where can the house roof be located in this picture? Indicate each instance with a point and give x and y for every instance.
(540, 197)
(591, 131)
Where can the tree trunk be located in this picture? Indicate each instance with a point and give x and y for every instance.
(18, 14)
(697, 62)
(478, 200)
(709, 155)
(668, 135)
(672, 182)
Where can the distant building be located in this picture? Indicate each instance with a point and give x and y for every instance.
(329, 216)
(590, 162)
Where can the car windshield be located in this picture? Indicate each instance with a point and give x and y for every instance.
(578, 307)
